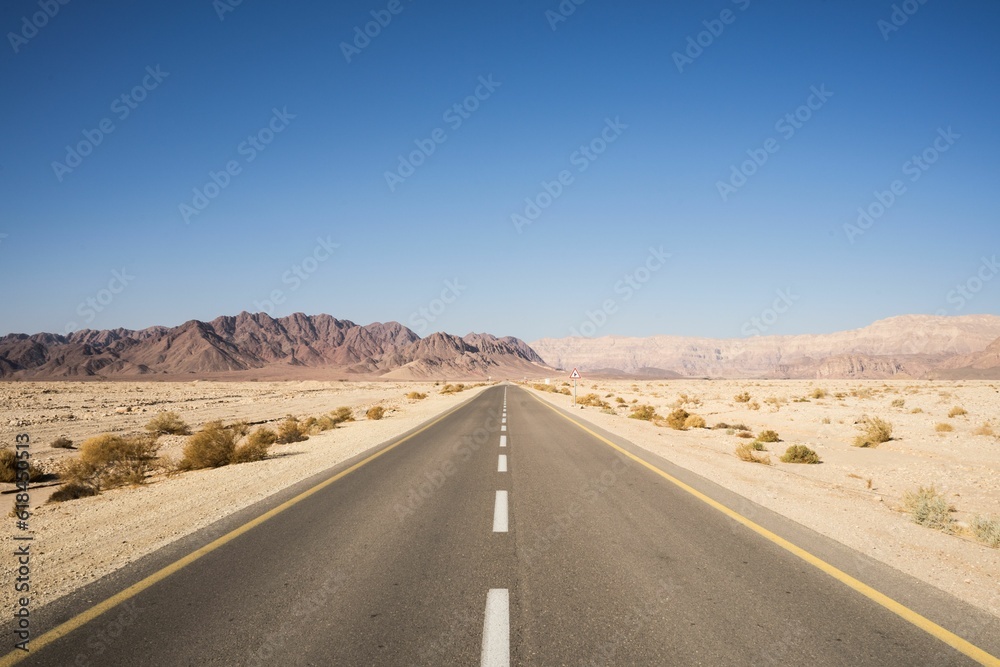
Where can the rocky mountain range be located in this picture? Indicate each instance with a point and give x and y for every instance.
(911, 346)
(257, 345)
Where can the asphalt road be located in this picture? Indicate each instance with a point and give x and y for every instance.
(553, 549)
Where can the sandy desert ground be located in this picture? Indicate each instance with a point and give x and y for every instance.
(82, 540)
(856, 495)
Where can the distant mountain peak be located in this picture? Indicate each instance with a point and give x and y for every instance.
(256, 341)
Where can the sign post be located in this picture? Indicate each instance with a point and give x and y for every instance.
(575, 375)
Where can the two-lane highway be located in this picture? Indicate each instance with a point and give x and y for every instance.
(501, 533)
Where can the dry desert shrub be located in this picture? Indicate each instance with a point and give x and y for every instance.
(416, 396)
(455, 388)
(105, 462)
(167, 423)
(769, 436)
(619, 400)
(742, 397)
(291, 431)
(644, 412)
(899, 403)
(800, 454)
(62, 442)
(677, 419)
(944, 428)
(216, 445)
(592, 400)
(263, 436)
(375, 412)
(819, 393)
(957, 411)
(753, 405)
(874, 431)
(744, 434)
(916, 411)
(8, 467)
(255, 448)
(694, 421)
(720, 426)
(211, 447)
(746, 452)
(341, 415)
(684, 399)
(985, 429)
(987, 530)
(928, 507)
(776, 402)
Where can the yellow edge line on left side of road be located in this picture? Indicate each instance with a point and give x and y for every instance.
(110, 603)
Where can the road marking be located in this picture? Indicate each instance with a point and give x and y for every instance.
(496, 629)
(502, 463)
(107, 605)
(503, 420)
(500, 513)
(503, 427)
(503, 441)
(930, 627)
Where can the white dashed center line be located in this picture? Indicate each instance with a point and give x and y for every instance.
(496, 629)
(503, 441)
(500, 513)
(502, 463)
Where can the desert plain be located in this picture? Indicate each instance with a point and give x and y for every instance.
(855, 495)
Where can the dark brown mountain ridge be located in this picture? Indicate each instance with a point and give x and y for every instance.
(258, 342)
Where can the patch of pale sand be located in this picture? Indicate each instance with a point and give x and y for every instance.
(80, 541)
(833, 498)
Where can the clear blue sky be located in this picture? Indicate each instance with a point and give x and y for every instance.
(656, 185)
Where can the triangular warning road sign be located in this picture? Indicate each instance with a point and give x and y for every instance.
(575, 375)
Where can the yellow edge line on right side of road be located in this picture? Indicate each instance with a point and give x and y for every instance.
(930, 627)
